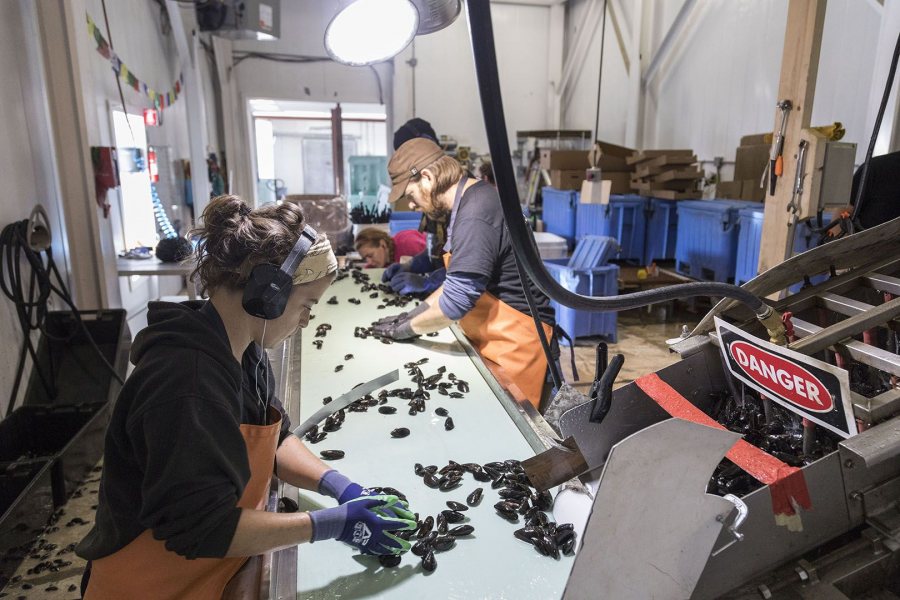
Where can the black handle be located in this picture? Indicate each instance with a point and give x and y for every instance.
(601, 391)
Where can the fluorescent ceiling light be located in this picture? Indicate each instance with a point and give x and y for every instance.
(371, 31)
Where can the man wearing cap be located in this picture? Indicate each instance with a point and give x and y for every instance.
(482, 290)
(425, 272)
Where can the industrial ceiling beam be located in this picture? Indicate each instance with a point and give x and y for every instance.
(575, 60)
(672, 35)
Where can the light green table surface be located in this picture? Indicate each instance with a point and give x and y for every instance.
(489, 564)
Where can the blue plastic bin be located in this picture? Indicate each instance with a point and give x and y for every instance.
(662, 230)
(707, 241)
(623, 219)
(558, 213)
(403, 220)
(750, 237)
(598, 281)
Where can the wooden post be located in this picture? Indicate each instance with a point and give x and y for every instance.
(799, 67)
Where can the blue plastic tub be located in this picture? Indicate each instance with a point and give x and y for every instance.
(403, 220)
(707, 240)
(749, 239)
(623, 218)
(662, 230)
(558, 213)
(598, 281)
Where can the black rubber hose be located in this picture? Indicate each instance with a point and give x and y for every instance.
(603, 399)
(863, 179)
(482, 36)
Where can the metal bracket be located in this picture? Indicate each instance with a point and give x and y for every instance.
(735, 525)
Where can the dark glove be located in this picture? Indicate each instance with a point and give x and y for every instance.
(412, 283)
(365, 523)
(393, 270)
(420, 263)
(396, 330)
(340, 487)
(404, 316)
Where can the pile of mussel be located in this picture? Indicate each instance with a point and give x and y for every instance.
(779, 434)
(517, 499)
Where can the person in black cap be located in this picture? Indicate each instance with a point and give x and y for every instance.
(425, 272)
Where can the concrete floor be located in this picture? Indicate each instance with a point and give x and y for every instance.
(641, 339)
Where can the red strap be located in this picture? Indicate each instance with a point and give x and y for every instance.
(785, 482)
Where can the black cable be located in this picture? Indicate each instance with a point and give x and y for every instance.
(482, 37)
(538, 324)
(864, 177)
(284, 58)
(118, 79)
(31, 302)
(854, 223)
(600, 74)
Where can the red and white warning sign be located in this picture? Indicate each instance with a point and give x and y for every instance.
(806, 386)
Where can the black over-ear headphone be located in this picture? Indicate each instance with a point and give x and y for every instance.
(269, 287)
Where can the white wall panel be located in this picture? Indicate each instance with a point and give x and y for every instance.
(446, 88)
(722, 81)
(582, 100)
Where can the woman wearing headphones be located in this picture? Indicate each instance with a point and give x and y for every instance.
(193, 440)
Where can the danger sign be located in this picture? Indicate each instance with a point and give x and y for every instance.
(806, 386)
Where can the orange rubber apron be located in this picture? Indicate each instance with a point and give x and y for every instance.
(508, 338)
(145, 569)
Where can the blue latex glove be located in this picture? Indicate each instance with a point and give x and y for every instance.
(412, 283)
(366, 524)
(392, 270)
(340, 487)
(420, 263)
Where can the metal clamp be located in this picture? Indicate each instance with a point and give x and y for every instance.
(739, 519)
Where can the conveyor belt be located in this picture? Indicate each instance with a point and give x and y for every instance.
(491, 563)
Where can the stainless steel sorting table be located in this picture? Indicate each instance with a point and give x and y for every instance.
(489, 426)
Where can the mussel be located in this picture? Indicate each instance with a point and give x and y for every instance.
(400, 432)
(474, 499)
(387, 410)
(332, 454)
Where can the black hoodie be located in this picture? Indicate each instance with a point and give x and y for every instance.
(174, 459)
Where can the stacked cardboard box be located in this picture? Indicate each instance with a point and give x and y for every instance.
(667, 174)
(567, 167)
(750, 162)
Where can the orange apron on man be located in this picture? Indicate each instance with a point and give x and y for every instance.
(507, 337)
(145, 569)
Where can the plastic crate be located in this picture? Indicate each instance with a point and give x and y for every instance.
(593, 251)
(367, 173)
(550, 245)
(623, 218)
(404, 220)
(706, 245)
(662, 230)
(598, 281)
(558, 212)
(749, 241)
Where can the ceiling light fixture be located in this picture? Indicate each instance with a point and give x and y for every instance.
(370, 31)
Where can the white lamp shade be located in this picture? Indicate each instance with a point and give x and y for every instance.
(371, 31)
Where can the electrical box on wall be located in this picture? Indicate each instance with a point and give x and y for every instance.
(241, 19)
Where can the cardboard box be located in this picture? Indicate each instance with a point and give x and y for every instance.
(750, 190)
(620, 183)
(595, 192)
(729, 190)
(614, 158)
(564, 160)
(750, 161)
(566, 180)
(756, 139)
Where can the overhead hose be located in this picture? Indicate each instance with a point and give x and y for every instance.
(482, 36)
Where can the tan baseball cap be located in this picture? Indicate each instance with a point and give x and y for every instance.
(407, 161)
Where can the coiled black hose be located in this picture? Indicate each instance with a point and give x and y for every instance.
(482, 35)
(31, 300)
